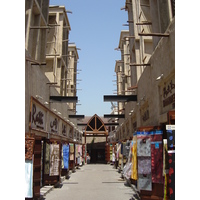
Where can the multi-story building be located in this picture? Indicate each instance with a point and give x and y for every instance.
(152, 65)
(72, 74)
(57, 48)
(47, 123)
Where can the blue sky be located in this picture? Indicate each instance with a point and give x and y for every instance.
(95, 28)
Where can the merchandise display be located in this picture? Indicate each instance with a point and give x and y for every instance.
(65, 156)
(145, 182)
(54, 160)
(28, 178)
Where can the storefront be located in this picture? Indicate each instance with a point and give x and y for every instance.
(47, 148)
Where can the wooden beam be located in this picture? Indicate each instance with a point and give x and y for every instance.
(131, 36)
(144, 23)
(64, 98)
(77, 116)
(137, 64)
(132, 87)
(111, 124)
(120, 98)
(114, 116)
(96, 135)
(154, 34)
(52, 54)
(39, 27)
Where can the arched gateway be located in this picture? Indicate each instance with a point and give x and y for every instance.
(95, 128)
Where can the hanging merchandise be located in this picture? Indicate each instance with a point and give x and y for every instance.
(47, 159)
(119, 156)
(127, 168)
(144, 161)
(144, 182)
(28, 178)
(71, 151)
(54, 160)
(171, 139)
(127, 148)
(134, 174)
(171, 154)
(65, 156)
(111, 152)
(157, 156)
(80, 154)
(157, 162)
(124, 149)
(144, 165)
(143, 146)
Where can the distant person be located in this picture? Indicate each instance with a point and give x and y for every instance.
(88, 158)
(113, 158)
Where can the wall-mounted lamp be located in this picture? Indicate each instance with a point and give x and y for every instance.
(143, 98)
(38, 97)
(59, 113)
(159, 77)
(46, 103)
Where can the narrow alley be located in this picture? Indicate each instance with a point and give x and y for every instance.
(92, 181)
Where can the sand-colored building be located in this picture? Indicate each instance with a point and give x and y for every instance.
(152, 65)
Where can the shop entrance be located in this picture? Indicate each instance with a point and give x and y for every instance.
(95, 128)
(96, 152)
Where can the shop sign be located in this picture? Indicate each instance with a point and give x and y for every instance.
(169, 94)
(53, 124)
(64, 129)
(38, 117)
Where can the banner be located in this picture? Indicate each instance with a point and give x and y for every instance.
(66, 156)
(47, 157)
(54, 160)
(28, 178)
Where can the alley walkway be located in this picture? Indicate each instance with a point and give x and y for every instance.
(93, 181)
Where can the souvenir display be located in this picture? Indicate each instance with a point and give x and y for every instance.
(144, 182)
(157, 162)
(54, 160)
(28, 178)
(143, 146)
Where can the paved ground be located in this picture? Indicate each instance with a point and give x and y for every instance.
(92, 181)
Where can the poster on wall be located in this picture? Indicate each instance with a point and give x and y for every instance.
(28, 178)
(54, 160)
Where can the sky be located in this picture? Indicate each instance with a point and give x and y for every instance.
(95, 29)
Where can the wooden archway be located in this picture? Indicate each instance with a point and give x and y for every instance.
(95, 128)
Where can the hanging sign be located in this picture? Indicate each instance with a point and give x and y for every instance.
(54, 160)
(38, 116)
(64, 129)
(53, 124)
(167, 93)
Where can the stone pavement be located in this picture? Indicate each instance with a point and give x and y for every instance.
(92, 181)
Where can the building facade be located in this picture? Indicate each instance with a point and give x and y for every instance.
(47, 124)
(151, 42)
